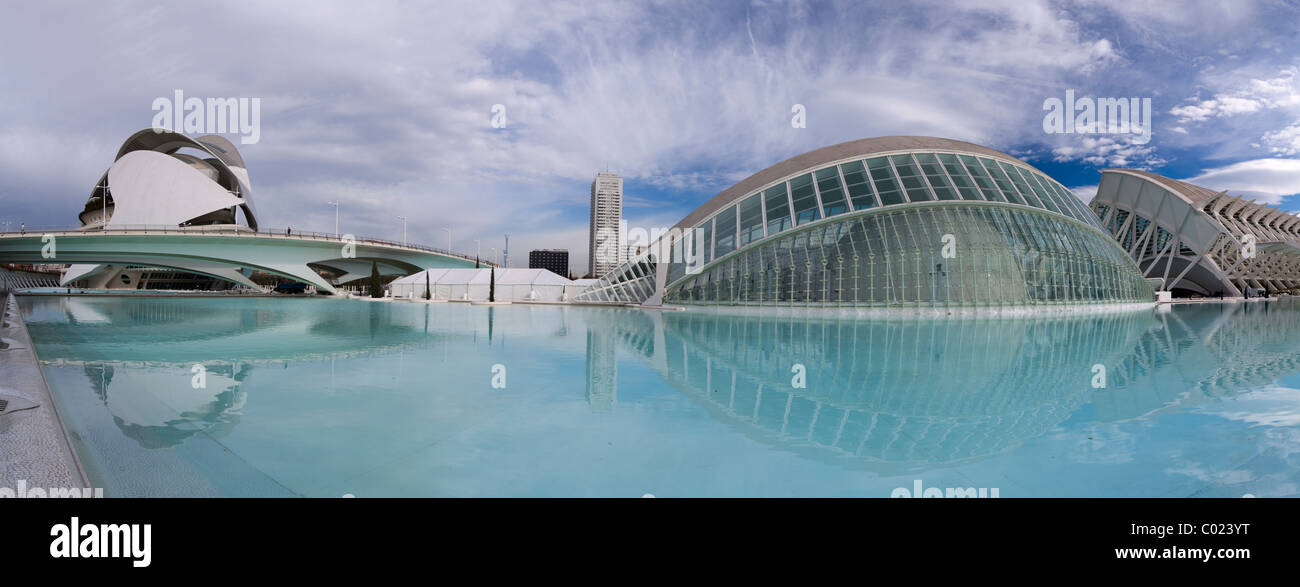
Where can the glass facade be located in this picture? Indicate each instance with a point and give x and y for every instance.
(999, 255)
(804, 199)
(784, 243)
(777, 209)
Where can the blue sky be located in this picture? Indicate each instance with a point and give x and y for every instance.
(385, 107)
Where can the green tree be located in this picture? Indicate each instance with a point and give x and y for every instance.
(427, 294)
(492, 285)
(376, 284)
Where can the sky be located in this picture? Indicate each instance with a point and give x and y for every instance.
(387, 107)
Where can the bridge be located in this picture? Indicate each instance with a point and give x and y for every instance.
(223, 251)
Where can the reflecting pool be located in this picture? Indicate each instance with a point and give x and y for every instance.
(327, 397)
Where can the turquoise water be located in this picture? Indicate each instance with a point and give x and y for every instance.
(327, 397)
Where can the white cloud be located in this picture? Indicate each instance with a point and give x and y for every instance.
(1109, 151)
(1244, 97)
(1085, 192)
(1268, 180)
(1285, 141)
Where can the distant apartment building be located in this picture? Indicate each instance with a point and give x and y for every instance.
(606, 246)
(554, 260)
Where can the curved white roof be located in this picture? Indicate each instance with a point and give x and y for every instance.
(225, 158)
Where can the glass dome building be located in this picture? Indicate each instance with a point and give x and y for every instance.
(885, 222)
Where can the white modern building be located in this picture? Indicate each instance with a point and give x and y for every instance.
(166, 179)
(1199, 241)
(178, 210)
(887, 222)
(606, 242)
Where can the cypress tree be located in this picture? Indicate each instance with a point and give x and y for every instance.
(427, 294)
(376, 285)
(492, 285)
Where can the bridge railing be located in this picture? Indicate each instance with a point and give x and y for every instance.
(230, 230)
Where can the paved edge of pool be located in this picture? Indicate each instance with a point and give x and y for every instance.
(35, 449)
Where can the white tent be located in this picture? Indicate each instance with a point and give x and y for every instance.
(512, 285)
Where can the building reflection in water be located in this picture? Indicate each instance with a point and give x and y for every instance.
(1201, 352)
(162, 408)
(602, 369)
(904, 394)
(152, 398)
(896, 394)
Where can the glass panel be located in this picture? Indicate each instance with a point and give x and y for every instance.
(1004, 184)
(725, 225)
(832, 193)
(1026, 185)
(982, 179)
(883, 177)
(1102, 210)
(929, 164)
(1066, 204)
(965, 185)
(860, 193)
(804, 198)
(910, 175)
(751, 219)
(677, 258)
(778, 208)
(943, 189)
(1084, 213)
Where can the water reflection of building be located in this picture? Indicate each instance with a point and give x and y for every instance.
(159, 407)
(602, 369)
(1203, 351)
(903, 393)
(145, 379)
(910, 393)
(226, 330)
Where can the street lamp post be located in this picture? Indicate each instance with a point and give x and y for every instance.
(336, 217)
(403, 219)
(103, 205)
(478, 249)
(494, 255)
(448, 239)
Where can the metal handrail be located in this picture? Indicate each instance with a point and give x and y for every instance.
(230, 230)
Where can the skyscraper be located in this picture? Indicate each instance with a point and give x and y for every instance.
(606, 246)
(555, 260)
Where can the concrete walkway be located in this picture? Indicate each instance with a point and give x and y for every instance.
(34, 447)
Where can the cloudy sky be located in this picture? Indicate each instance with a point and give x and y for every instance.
(386, 107)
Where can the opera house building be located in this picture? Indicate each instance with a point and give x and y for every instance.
(174, 212)
(917, 222)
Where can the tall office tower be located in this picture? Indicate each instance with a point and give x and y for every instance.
(606, 212)
(554, 260)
